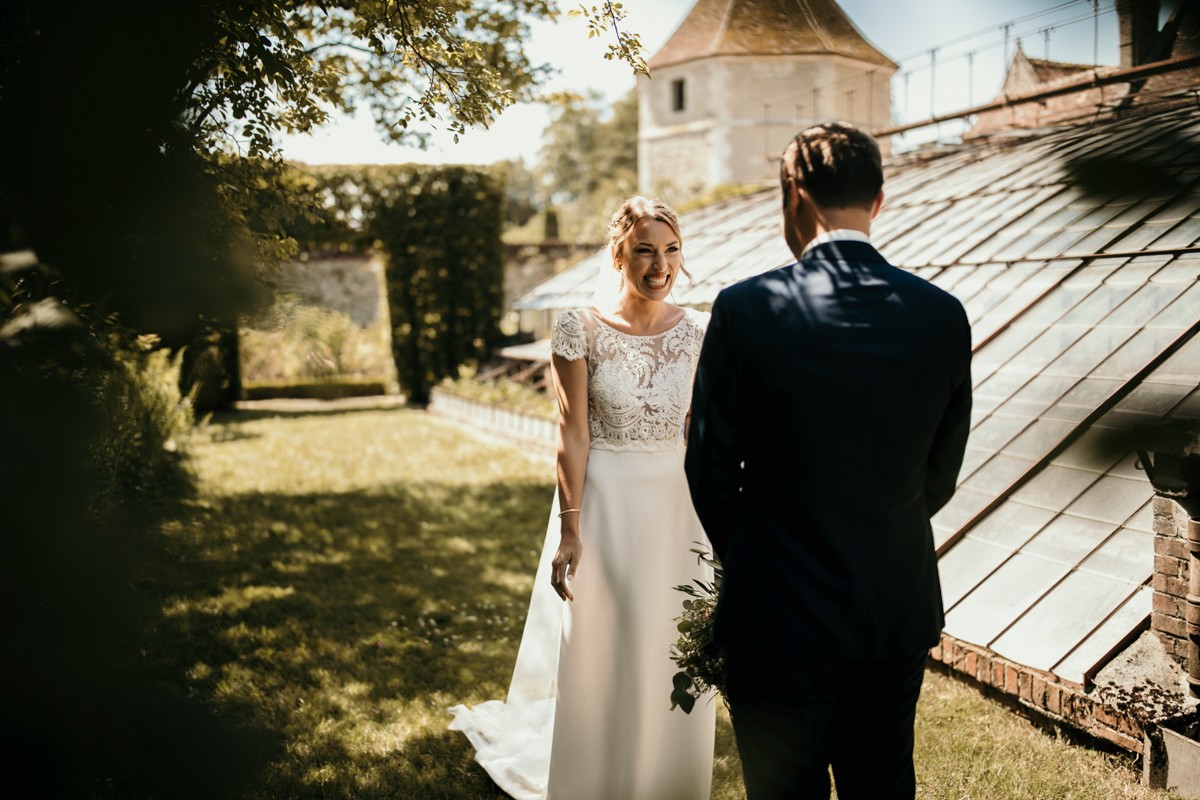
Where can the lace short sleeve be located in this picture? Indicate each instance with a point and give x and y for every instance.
(569, 339)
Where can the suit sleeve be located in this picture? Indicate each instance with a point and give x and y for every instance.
(714, 453)
(950, 441)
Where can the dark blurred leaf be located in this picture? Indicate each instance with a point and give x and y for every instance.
(46, 315)
(681, 697)
(1134, 174)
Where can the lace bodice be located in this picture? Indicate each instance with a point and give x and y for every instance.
(639, 387)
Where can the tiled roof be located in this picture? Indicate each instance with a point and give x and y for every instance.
(1049, 71)
(1179, 39)
(1084, 311)
(766, 27)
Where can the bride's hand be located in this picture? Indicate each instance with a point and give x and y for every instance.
(566, 564)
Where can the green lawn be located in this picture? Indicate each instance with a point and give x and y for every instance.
(349, 572)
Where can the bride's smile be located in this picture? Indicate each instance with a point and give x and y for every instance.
(657, 281)
(652, 259)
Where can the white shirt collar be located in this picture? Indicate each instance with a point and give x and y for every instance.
(839, 235)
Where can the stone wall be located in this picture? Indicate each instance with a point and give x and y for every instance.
(527, 265)
(348, 282)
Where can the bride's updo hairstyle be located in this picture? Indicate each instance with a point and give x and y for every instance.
(631, 212)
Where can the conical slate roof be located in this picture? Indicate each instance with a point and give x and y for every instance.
(766, 27)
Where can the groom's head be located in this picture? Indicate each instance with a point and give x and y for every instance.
(831, 176)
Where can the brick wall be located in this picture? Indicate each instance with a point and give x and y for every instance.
(1170, 582)
(1046, 695)
(1108, 712)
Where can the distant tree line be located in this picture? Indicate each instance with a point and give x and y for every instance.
(586, 166)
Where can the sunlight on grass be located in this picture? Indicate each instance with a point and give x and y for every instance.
(363, 450)
(350, 576)
(231, 601)
(970, 747)
(346, 575)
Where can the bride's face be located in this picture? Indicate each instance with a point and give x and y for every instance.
(650, 261)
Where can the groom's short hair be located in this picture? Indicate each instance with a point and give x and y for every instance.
(837, 164)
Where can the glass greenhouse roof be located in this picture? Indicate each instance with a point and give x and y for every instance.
(1084, 311)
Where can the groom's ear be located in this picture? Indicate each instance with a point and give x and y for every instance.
(795, 196)
(805, 205)
(878, 204)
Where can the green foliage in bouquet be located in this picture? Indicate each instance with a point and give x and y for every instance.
(701, 661)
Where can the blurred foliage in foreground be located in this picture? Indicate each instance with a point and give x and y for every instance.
(141, 193)
(91, 465)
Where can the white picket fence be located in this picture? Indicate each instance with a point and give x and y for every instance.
(527, 430)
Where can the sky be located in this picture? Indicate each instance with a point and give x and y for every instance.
(905, 30)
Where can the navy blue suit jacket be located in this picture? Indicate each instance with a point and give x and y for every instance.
(829, 418)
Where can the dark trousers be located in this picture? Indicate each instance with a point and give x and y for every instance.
(793, 722)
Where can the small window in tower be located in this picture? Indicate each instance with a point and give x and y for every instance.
(677, 97)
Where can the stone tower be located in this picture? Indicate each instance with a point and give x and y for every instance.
(739, 78)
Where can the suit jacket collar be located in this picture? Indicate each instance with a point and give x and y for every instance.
(843, 250)
(838, 234)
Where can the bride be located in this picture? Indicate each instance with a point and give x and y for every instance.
(588, 710)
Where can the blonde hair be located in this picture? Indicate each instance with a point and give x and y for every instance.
(634, 210)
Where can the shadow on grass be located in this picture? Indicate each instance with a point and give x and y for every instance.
(347, 623)
(433, 766)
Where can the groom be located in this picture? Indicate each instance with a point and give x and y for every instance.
(831, 409)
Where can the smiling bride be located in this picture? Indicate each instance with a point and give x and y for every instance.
(587, 713)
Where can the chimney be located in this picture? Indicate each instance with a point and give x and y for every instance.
(1138, 30)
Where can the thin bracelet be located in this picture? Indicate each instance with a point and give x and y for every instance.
(562, 514)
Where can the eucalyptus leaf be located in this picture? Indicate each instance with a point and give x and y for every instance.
(682, 699)
(700, 659)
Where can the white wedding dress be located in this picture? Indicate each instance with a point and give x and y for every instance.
(588, 710)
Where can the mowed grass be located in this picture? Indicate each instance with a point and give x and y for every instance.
(348, 573)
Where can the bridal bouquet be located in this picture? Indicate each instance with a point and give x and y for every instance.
(701, 662)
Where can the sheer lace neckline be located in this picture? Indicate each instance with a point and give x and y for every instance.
(639, 387)
(617, 330)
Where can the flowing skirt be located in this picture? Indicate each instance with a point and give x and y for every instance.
(588, 713)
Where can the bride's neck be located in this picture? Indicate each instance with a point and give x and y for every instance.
(641, 313)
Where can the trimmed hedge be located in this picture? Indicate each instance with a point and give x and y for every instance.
(441, 228)
(323, 390)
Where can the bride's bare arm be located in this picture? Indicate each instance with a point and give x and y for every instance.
(570, 385)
